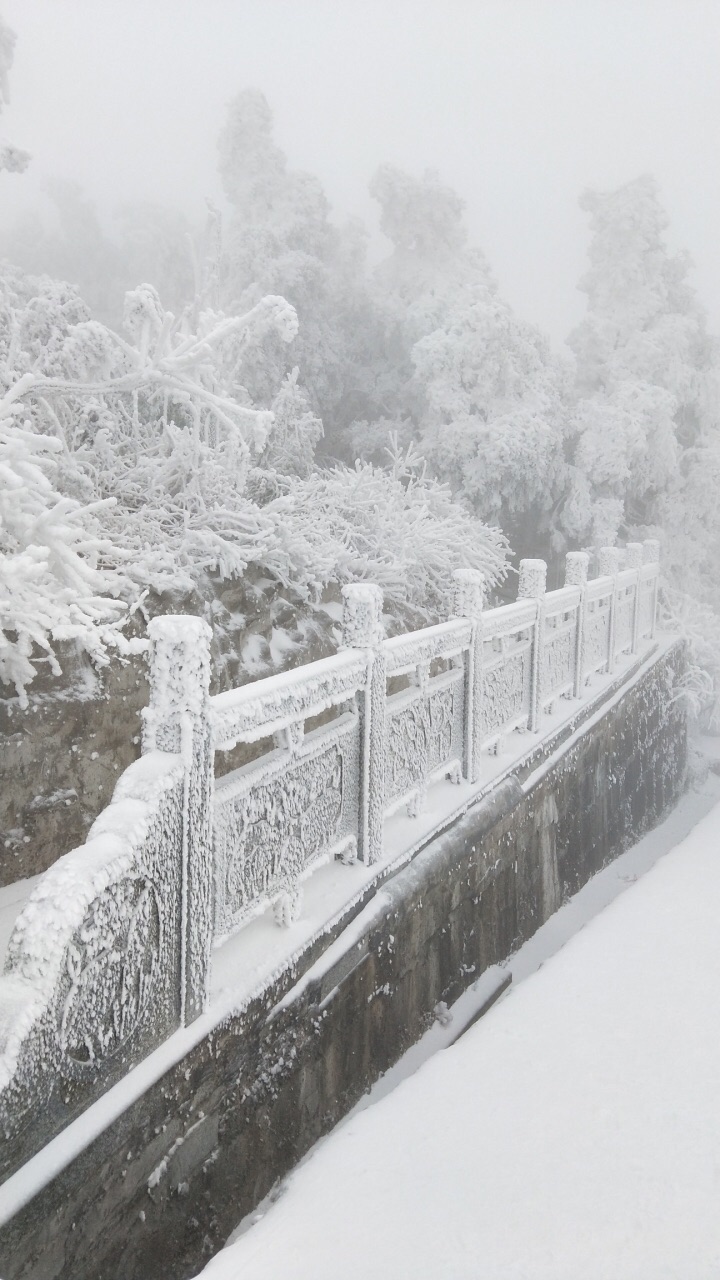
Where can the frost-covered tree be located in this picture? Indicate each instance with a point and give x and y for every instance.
(281, 240)
(157, 244)
(144, 242)
(647, 418)
(191, 487)
(400, 528)
(646, 368)
(12, 158)
(177, 449)
(482, 388)
(152, 417)
(149, 456)
(53, 587)
(647, 415)
(643, 322)
(294, 434)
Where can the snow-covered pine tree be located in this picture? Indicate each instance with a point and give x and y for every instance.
(481, 387)
(12, 159)
(646, 419)
(280, 239)
(647, 413)
(53, 587)
(207, 489)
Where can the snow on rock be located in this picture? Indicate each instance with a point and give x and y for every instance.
(573, 1132)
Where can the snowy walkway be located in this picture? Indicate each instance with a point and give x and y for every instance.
(574, 1132)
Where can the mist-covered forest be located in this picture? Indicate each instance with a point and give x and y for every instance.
(237, 418)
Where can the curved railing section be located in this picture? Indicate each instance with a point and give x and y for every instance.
(111, 953)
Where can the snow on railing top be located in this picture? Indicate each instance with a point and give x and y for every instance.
(112, 951)
(446, 639)
(258, 710)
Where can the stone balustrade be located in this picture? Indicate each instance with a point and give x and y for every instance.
(112, 952)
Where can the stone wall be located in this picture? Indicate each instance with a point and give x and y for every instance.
(159, 1191)
(61, 757)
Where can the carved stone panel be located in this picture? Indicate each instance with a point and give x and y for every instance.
(420, 739)
(595, 639)
(506, 692)
(647, 602)
(101, 947)
(110, 970)
(624, 611)
(558, 661)
(273, 824)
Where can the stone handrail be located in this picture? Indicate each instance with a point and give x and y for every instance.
(112, 951)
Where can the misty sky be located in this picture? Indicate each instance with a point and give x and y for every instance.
(518, 103)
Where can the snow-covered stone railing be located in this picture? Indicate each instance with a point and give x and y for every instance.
(111, 953)
(323, 791)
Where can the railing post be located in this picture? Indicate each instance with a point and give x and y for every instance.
(651, 555)
(468, 603)
(609, 566)
(177, 720)
(576, 575)
(633, 560)
(362, 629)
(533, 578)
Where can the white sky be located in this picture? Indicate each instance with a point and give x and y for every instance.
(518, 103)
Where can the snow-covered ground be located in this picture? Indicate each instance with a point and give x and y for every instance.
(573, 1132)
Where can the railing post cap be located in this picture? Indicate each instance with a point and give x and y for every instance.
(532, 579)
(469, 575)
(633, 555)
(651, 551)
(368, 591)
(179, 678)
(178, 628)
(608, 561)
(576, 568)
(468, 593)
(362, 615)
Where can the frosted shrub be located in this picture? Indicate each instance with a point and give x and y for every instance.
(697, 623)
(52, 587)
(646, 424)
(481, 388)
(12, 158)
(396, 527)
(173, 481)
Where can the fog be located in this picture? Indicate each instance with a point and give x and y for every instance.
(519, 104)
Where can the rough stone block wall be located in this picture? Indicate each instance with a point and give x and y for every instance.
(162, 1188)
(61, 757)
